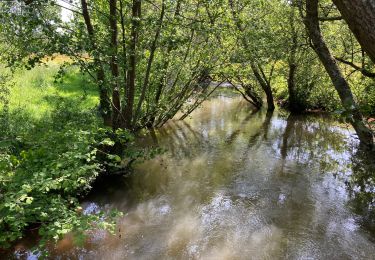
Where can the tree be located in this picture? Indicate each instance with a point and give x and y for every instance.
(360, 17)
(143, 56)
(256, 67)
(342, 87)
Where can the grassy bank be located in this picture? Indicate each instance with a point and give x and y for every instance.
(52, 148)
(35, 91)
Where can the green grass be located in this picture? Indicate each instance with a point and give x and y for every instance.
(36, 90)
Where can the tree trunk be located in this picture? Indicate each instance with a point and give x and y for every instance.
(265, 86)
(105, 104)
(114, 65)
(130, 91)
(164, 70)
(293, 100)
(262, 82)
(360, 16)
(124, 52)
(249, 95)
(342, 87)
(149, 63)
(292, 63)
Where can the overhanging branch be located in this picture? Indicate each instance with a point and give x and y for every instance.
(364, 71)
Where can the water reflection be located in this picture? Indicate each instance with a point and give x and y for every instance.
(238, 184)
(361, 184)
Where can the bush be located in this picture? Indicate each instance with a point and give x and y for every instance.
(46, 166)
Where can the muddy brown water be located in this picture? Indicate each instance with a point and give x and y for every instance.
(236, 184)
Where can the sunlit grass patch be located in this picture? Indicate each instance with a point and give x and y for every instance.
(33, 90)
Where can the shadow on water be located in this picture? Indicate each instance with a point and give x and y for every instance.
(236, 184)
(361, 184)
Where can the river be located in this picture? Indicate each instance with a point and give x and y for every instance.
(238, 184)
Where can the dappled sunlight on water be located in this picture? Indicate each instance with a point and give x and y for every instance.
(237, 184)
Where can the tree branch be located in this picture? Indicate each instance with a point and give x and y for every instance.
(364, 72)
(333, 18)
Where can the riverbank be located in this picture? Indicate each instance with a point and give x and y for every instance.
(52, 149)
(214, 194)
(51, 157)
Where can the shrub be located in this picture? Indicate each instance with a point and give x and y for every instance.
(46, 166)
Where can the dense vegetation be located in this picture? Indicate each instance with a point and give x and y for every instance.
(50, 155)
(74, 91)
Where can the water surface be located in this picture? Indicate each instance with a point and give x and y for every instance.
(237, 184)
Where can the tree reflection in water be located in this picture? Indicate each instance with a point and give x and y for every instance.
(311, 139)
(361, 184)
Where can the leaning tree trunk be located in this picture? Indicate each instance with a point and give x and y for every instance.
(360, 16)
(265, 85)
(163, 71)
(149, 64)
(341, 85)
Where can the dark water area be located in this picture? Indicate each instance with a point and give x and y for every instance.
(239, 184)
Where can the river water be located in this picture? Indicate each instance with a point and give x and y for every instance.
(238, 184)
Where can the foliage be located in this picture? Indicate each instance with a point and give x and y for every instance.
(178, 45)
(167, 66)
(47, 164)
(136, 64)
